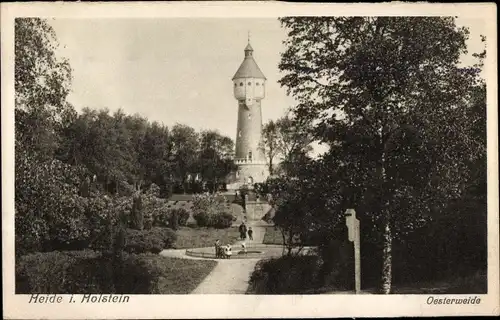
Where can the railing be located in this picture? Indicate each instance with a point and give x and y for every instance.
(249, 161)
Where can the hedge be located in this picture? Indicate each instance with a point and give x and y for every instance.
(221, 220)
(153, 240)
(285, 275)
(88, 272)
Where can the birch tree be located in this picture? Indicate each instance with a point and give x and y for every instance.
(389, 97)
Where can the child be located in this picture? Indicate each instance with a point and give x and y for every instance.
(250, 233)
(217, 248)
(244, 247)
(228, 251)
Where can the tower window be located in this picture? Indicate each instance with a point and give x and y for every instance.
(257, 84)
(249, 116)
(249, 155)
(249, 83)
(241, 84)
(235, 84)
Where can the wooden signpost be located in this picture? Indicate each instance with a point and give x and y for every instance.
(353, 232)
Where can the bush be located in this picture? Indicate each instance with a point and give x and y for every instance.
(87, 272)
(144, 241)
(202, 218)
(62, 272)
(137, 212)
(178, 217)
(222, 220)
(174, 220)
(183, 216)
(161, 217)
(285, 275)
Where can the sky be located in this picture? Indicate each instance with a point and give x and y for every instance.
(178, 70)
(171, 70)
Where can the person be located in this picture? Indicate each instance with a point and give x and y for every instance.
(243, 231)
(244, 247)
(228, 251)
(217, 248)
(250, 233)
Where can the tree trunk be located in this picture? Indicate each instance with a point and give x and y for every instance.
(387, 259)
(387, 232)
(290, 242)
(270, 166)
(284, 241)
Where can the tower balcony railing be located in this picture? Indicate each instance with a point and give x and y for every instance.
(248, 161)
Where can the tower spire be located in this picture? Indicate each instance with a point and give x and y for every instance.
(248, 36)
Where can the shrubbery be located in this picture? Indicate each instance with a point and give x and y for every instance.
(210, 211)
(61, 272)
(163, 216)
(88, 272)
(153, 240)
(220, 220)
(285, 275)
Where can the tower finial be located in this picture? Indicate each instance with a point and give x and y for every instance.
(248, 36)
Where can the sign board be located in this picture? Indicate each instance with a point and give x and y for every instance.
(354, 236)
(355, 229)
(352, 224)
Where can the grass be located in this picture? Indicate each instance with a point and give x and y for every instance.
(272, 236)
(181, 276)
(204, 237)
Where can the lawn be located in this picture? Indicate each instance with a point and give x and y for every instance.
(204, 237)
(181, 276)
(272, 236)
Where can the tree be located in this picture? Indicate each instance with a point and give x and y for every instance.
(270, 144)
(389, 97)
(185, 148)
(42, 82)
(215, 160)
(305, 207)
(154, 155)
(284, 139)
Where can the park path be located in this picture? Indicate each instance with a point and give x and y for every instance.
(231, 276)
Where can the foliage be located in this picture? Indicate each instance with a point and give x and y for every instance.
(284, 138)
(215, 162)
(154, 240)
(304, 204)
(42, 82)
(388, 96)
(284, 275)
(222, 220)
(183, 216)
(137, 212)
(59, 272)
(209, 210)
(178, 218)
(50, 209)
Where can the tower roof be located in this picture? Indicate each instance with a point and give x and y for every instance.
(249, 68)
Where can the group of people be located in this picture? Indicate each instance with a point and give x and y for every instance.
(224, 252)
(244, 231)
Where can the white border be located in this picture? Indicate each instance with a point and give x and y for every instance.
(210, 306)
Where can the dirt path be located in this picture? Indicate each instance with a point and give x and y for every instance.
(228, 277)
(231, 276)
